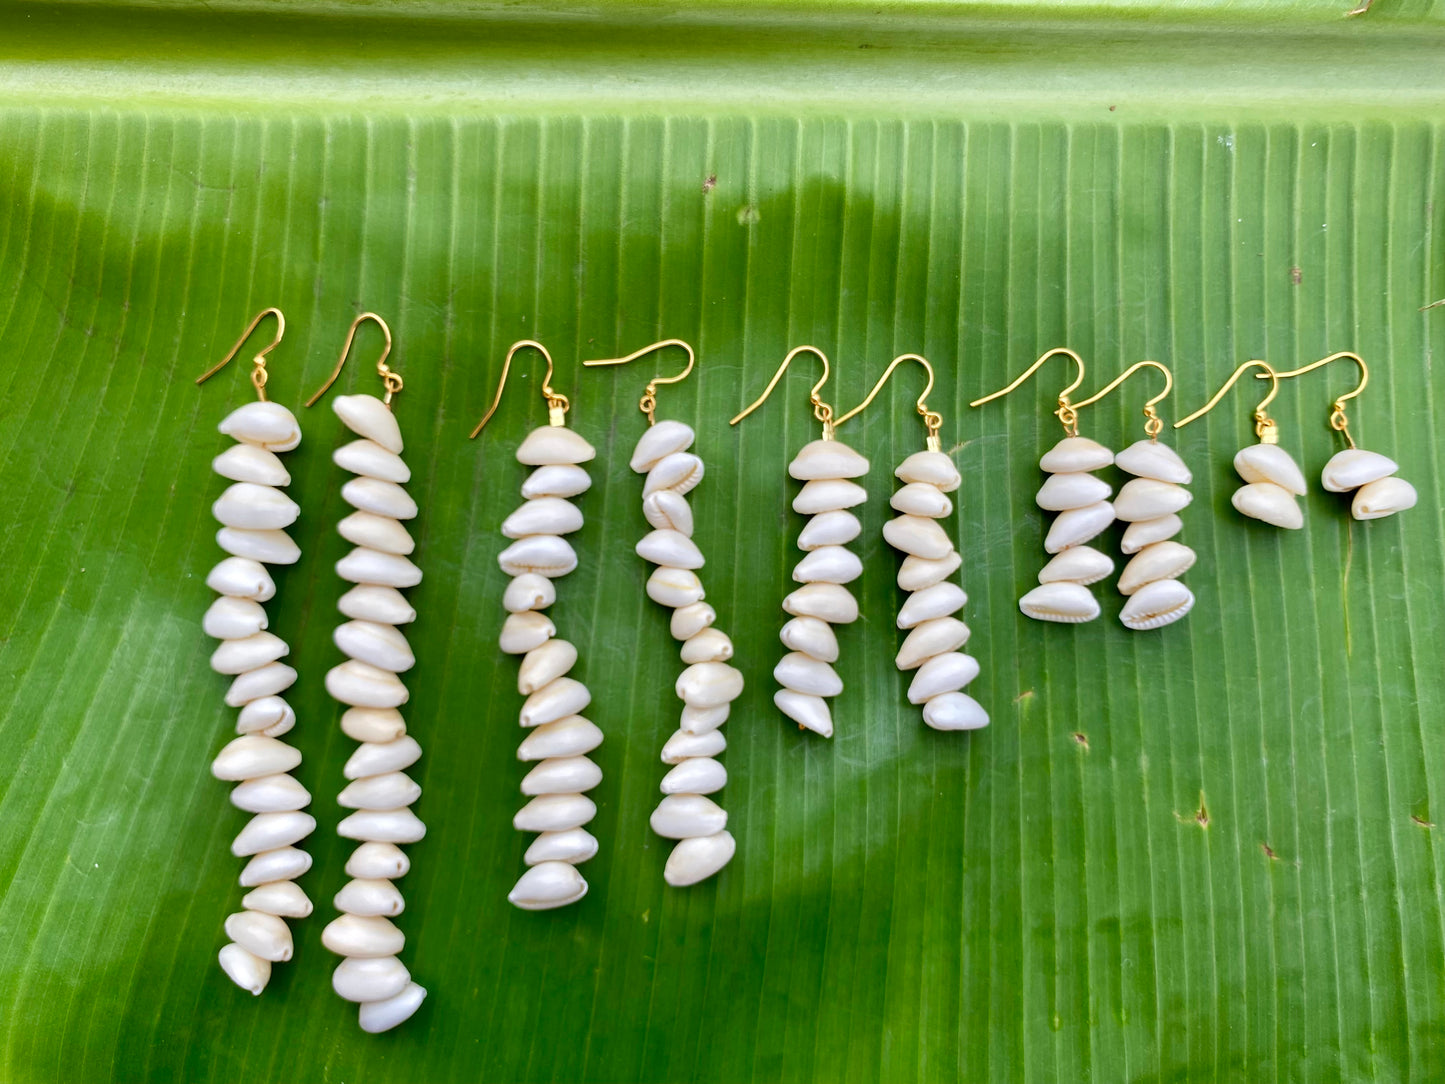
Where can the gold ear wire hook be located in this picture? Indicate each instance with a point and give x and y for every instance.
(648, 403)
(1068, 413)
(1264, 427)
(258, 363)
(389, 379)
(1338, 422)
(821, 410)
(932, 420)
(557, 404)
(1153, 426)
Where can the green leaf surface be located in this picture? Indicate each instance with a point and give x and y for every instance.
(1200, 854)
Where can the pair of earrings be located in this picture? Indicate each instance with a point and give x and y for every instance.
(254, 513)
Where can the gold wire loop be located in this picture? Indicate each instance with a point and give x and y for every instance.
(557, 403)
(258, 363)
(932, 420)
(1153, 424)
(648, 403)
(1067, 413)
(390, 380)
(1338, 421)
(822, 411)
(1264, 426)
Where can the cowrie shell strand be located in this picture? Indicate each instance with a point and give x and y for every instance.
(1378, 492)
(1150, 504)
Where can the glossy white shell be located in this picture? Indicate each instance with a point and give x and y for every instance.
(1383, 497)
(1074, 454)
(828, 564)
(1354, 467)
(265, 424)
(658, 442)
(683, 745)
(805, 674)
(921, 499)
(679, 472)
(1157, 604)
(916, 573)
(834, 528)
(1077, 564)
(929, 638)
(954, 711)
(367, 416)
(567, 737)
(811, 636)
(547, 885)
(827, 459)
(829, 601)
(544, 515)
(940, 600)
(371, 459)
(382, 498)
(556, 480)
(1074, 489)
(1144, 532)
(245, 969)
(545, 554)
(529, 591)
(375, 602)
(1270, 503)
(809, 712)
(1149, 498)
(934, 468)
(1150, 459)
(1269, 463)
(1068, 603)
(674, 587)
(682, 816)
(698, 858)
(246, 504)
(1160, 561)
(828, 495)
(672, 549)
(919, 536)
(554, 445)
(668, 510)
(1078, 525)
(375, 532)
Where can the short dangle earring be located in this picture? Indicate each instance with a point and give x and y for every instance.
(1273, 480)
(379, 789)
(826, 468)
(933, 646)
(1378, 491)
(560, 738)
(1082, 503)
(708, 686)
(254, 514)
(1150, 504)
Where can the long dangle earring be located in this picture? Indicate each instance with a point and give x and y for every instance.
(378, 788)
(1272, 479)
(826, 468)
(1378, 491)
(1082, 503)
(560, 738)
(254, 515)
(1150, 504)
(708, 685)
(933, 648)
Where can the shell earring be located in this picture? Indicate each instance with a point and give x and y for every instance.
(379, 790)
(1378, 491)
(708, 686)
(933, 648)
(1273, 481)
(1150, 504)
(254, 515)
(826, 468)
(1082, 503)
(560, 738)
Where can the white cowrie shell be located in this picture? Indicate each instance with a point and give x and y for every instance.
(267, 424)
(237, 656)
(1157, 604)
(568, 737)
(363, 935)
(382, 826)
(916, 573)
(835, 528)
(553, 445)
(682, 816)
(829, 602)
(241, 577)
(562, 775)
(282, 864)
(378, 497)
(945, 673)
(529, 591)
(805, 674)
(1060, 492)
(543, 664)
(367, 416)
(1270, 463)
(370, 459)
(1383, 497)
(933, 468)
(679, 472)
(1354, 467)
(378, 758)
(250, 463)
(268, 680)
(939, 600)
(658, 442)
(369, 978)
(697, 775)
(374, 532)
(255, 507)
(700, 720)
(383, 1015)
(390, 790)
(544, 515)
(263, 714)
(918, 536)
(709, 685)
(828, 495)
(377, 725)
(674, 587)
(545, 554)
(668, 511)
(270, 547)
(672, 549)
(954, 711)
(1077, 564)
(374, 602)
(369, 566)
(572, 846)
(382, 646)
(245, 969)
(279, 793)
(557, 699)
(1270, 503)
(251, 756)
(1146, 532)
(554, 813)
(1078, 525)
(521, 632)
(369, 898)
(828, 564)
(1075, 454)
(374, 861)
(709, 645)
(361, 685)
(823, 459)
(261, 934)
(687, 621)
(547, 885)
(268, 831)
(930, 638)
(683, 745)
(556, 480)
(1149, 498)
(921, 499)
(811, 636)
(283, 898)
(1150, 459)
(1066, 603)
(809, 712)
(698, 858)
(1161, 561)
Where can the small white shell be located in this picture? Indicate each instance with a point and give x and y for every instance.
(367, 416)
(383, 646)
(954, 711)
(282, 864)
(699, 720)
(827, 459)
(683, 816)
(251, 756)
(382, 826)
(521, 632)
(545, 554)
(255, 507)
(267, 424)
(573, 845)
(1270, 463)
(1078, 525)
(916, 573)
(237, 656)
(390, 790)
(940, 600)
(375, 532)
(668, 510)
(543, 515)
(809, 712)
(683, 745)
(374, 1017)
(381, 498)
(1068, 603)
(835, 528)
(1146, 532)
(921, 499)
(831, 602)
(1160, 561)
(1149, 498)
(363, 935)
(945, 673)
(918, 536)
(374, 602)
(261, 934)
(378, 758)
(709, 645)
(698, 858)
(672, 549)
(658, 442)
(828, 495)
(828, 564)
(547, 885)
(364, 686)
(372, 724)
(1077, 564)
(1383, 497)
(1074, 454)
(529, 591)
(370, 898)
(930, 638)
(264, 681)
(674, 587)
(554, 813)
(369, 458)
(1157, 604)
(557, 699)
(697, 775)
(1074, 489)
(556, 480)
(283, 898)
(934, 468)
(369, 978)
(1271, 503)
(553, 445)
(562, 775)
(568, 737)
(267, 831)
(370, 566)
(544, 664)
(241, 577)
(272, 547)
(679, 472)
(372, 860)
(268, 714)
(278, 793)
(245, 969)
(1150, 459)
(1353, 467)
(805, 674)
(709, 684)
(811, 636)
(687, 621)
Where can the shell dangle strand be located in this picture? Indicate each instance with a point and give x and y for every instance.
(378, 789)
(708, 685)
(560, 738)
(254, 515)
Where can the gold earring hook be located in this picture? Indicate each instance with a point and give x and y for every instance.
(1338, 422)
(1068, 413)
(1264, 426)
(258, 363)
(932, 420)
(648, 403)
(821, 410)
(390, 380)
(1153, 426)
(557, 404)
